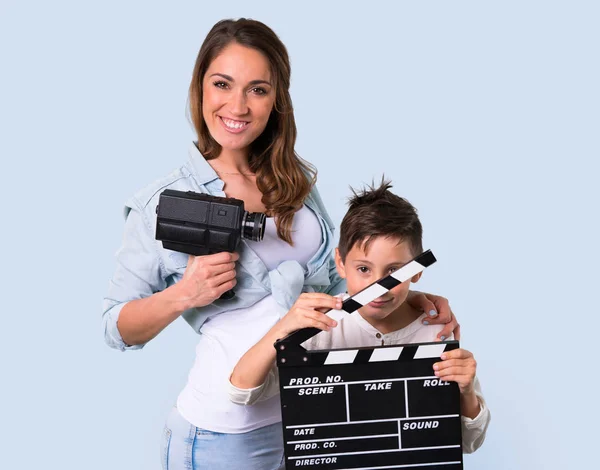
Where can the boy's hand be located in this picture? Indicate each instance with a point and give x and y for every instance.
(307, 312)
(458, 366)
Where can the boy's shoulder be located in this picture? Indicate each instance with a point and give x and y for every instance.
(349, 333)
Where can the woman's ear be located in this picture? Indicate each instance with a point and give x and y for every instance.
(339, 264)
(416, 277)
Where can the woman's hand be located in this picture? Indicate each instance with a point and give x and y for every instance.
(438, 312)
(206, 278)
(307, 312)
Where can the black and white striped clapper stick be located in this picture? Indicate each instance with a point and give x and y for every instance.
(370, 293)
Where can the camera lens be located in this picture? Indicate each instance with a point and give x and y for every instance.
(253, 226)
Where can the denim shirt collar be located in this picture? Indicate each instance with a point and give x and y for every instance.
(202, 172)
(289, 279)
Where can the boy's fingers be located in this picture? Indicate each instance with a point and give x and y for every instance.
(318, 317)
(320, 301)
(446, 364)
(463, 372)
(325, 319)
(462, 363)
(315, 319)
(456, 354)
(453, 378)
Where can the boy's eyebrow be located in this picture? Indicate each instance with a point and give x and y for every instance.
(253, 82)
(395, 263)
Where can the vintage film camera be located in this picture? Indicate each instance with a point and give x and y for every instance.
(200, 224)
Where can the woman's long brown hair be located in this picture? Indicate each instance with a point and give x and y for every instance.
(283, 178)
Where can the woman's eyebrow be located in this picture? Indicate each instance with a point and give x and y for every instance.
(253, 82)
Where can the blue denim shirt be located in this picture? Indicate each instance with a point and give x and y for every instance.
(145, 267)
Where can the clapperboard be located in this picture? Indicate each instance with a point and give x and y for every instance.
(369, 408)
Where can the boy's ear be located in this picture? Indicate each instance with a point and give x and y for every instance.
(339, 264)
(416, 277)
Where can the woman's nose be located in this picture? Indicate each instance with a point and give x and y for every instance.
(239, 105)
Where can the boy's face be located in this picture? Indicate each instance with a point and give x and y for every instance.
(361, 269)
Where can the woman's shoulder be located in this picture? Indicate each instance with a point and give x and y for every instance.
(314, 201)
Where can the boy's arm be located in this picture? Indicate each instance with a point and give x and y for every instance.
(253, 368)
(474, 430)
(460, 366)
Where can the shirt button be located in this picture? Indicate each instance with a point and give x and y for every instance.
(378, 335)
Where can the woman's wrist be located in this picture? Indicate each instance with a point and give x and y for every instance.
(176, 299)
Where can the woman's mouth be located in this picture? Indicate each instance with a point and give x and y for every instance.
(232, 125)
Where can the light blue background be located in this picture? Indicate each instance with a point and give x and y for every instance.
(484, 114)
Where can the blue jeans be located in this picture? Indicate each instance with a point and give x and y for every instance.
(186, 447)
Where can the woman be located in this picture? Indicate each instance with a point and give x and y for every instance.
(242, 111)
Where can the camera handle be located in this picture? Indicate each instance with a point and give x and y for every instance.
(228, 295)
(196, 250)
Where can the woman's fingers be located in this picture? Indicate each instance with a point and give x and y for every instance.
(450, 328)
(421, 302)
(222, 278)
(206, 278)
(222, 268)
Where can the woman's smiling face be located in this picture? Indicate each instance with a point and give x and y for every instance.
(238, 96)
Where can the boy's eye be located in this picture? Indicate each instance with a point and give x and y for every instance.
(363, 269)
(393, 269)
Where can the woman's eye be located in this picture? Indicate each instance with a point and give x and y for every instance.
(259, 91)
(220, 84)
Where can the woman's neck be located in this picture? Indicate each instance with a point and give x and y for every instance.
(231, 162)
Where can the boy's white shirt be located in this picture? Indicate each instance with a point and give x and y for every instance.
(353, 330)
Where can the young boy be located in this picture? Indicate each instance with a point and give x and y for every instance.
(379, 234)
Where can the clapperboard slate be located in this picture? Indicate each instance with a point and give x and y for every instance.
(368, 408)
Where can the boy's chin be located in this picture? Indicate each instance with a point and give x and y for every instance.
(376, 313)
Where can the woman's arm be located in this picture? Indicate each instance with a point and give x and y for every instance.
(204, 280)
(139, 305)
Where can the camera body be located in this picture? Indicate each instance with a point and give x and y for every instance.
(201, 224)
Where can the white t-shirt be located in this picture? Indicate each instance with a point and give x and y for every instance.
(204, 401)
